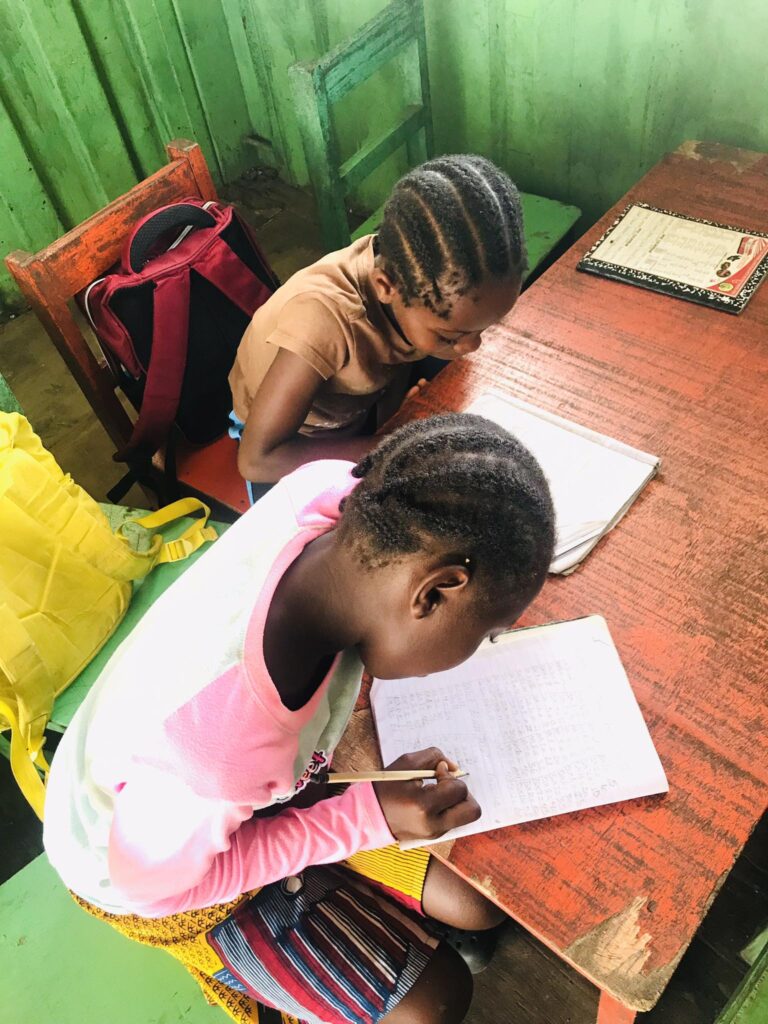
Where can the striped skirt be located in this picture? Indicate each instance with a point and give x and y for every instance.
(339, 944)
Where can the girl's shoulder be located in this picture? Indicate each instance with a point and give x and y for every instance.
(337, 281)
(316, 490)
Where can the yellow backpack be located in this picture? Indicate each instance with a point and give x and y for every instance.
(65, 584)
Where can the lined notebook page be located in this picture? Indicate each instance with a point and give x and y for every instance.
(544, 720)
(593, 478)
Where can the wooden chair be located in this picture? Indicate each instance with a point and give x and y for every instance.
(318, 85)
(50, 280)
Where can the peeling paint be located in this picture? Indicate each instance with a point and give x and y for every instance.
(616, 952)
(618, 944)
(486, 883)
(740, 159)
(442, 850)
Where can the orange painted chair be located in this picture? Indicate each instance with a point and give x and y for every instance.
(52, 278)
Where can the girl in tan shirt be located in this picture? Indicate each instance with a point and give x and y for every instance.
(343, 338)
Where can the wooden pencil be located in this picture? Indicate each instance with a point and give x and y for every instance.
(342, 778)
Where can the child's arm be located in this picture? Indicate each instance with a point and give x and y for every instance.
(170, 850)
(397, 392)
(271, 445)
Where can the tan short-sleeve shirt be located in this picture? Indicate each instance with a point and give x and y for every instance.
(329, 315)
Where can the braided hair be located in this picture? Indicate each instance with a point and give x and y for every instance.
(464, 483)
(450, 224)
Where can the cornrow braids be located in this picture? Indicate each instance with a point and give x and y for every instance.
(464, 484)
(450, 224)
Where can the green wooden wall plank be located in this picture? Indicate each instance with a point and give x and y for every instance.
(457, 46)
(152, 34)
(312, 111)
(91, 91)
(279, 34)
(58, 108)
(416, 155)
(26, 213)
(246, 52)
(113, 51)
(205, 37)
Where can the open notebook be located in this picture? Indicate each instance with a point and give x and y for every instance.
(544, 720)
(593, 478)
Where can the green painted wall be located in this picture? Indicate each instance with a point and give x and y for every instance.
(90, 90)
(575, 98)
(578, 98)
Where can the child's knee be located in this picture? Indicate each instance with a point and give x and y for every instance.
(453, 901)
(479, 913)
(441, 995)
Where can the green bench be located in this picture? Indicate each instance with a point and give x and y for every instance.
(546, 224)
(749, 1003)
(8, 401)
(59, 965)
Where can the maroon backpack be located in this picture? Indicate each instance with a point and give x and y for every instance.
(171, 315)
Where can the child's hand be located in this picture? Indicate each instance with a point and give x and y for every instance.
(416, 811)
(416, 388)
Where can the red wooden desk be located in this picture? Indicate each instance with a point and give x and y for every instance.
(619, 891)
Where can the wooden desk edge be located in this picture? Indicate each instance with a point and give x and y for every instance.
(626, 983)
(634, 990)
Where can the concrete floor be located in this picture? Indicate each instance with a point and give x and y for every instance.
(527, 984)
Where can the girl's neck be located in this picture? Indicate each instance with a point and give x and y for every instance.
(389, 314)
(309, 621)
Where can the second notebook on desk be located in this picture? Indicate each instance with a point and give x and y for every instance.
(593, 478)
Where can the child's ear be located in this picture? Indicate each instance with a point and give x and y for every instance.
(383, 285)
(438, 587)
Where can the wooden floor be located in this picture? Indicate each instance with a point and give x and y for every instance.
(526, 983)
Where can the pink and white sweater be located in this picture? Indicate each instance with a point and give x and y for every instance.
(154, 784)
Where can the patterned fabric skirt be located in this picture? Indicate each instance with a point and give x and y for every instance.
(339, 944)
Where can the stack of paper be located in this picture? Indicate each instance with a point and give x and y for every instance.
(593, 478)
(544, 720)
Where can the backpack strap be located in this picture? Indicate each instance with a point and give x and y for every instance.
(242, 286)
(195, 535)
(26, 697)
(23, 762)
(170, 322)
(162, 391)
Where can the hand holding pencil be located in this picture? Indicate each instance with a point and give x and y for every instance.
(415, 811)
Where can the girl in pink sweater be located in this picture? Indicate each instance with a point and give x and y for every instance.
(176, 806)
